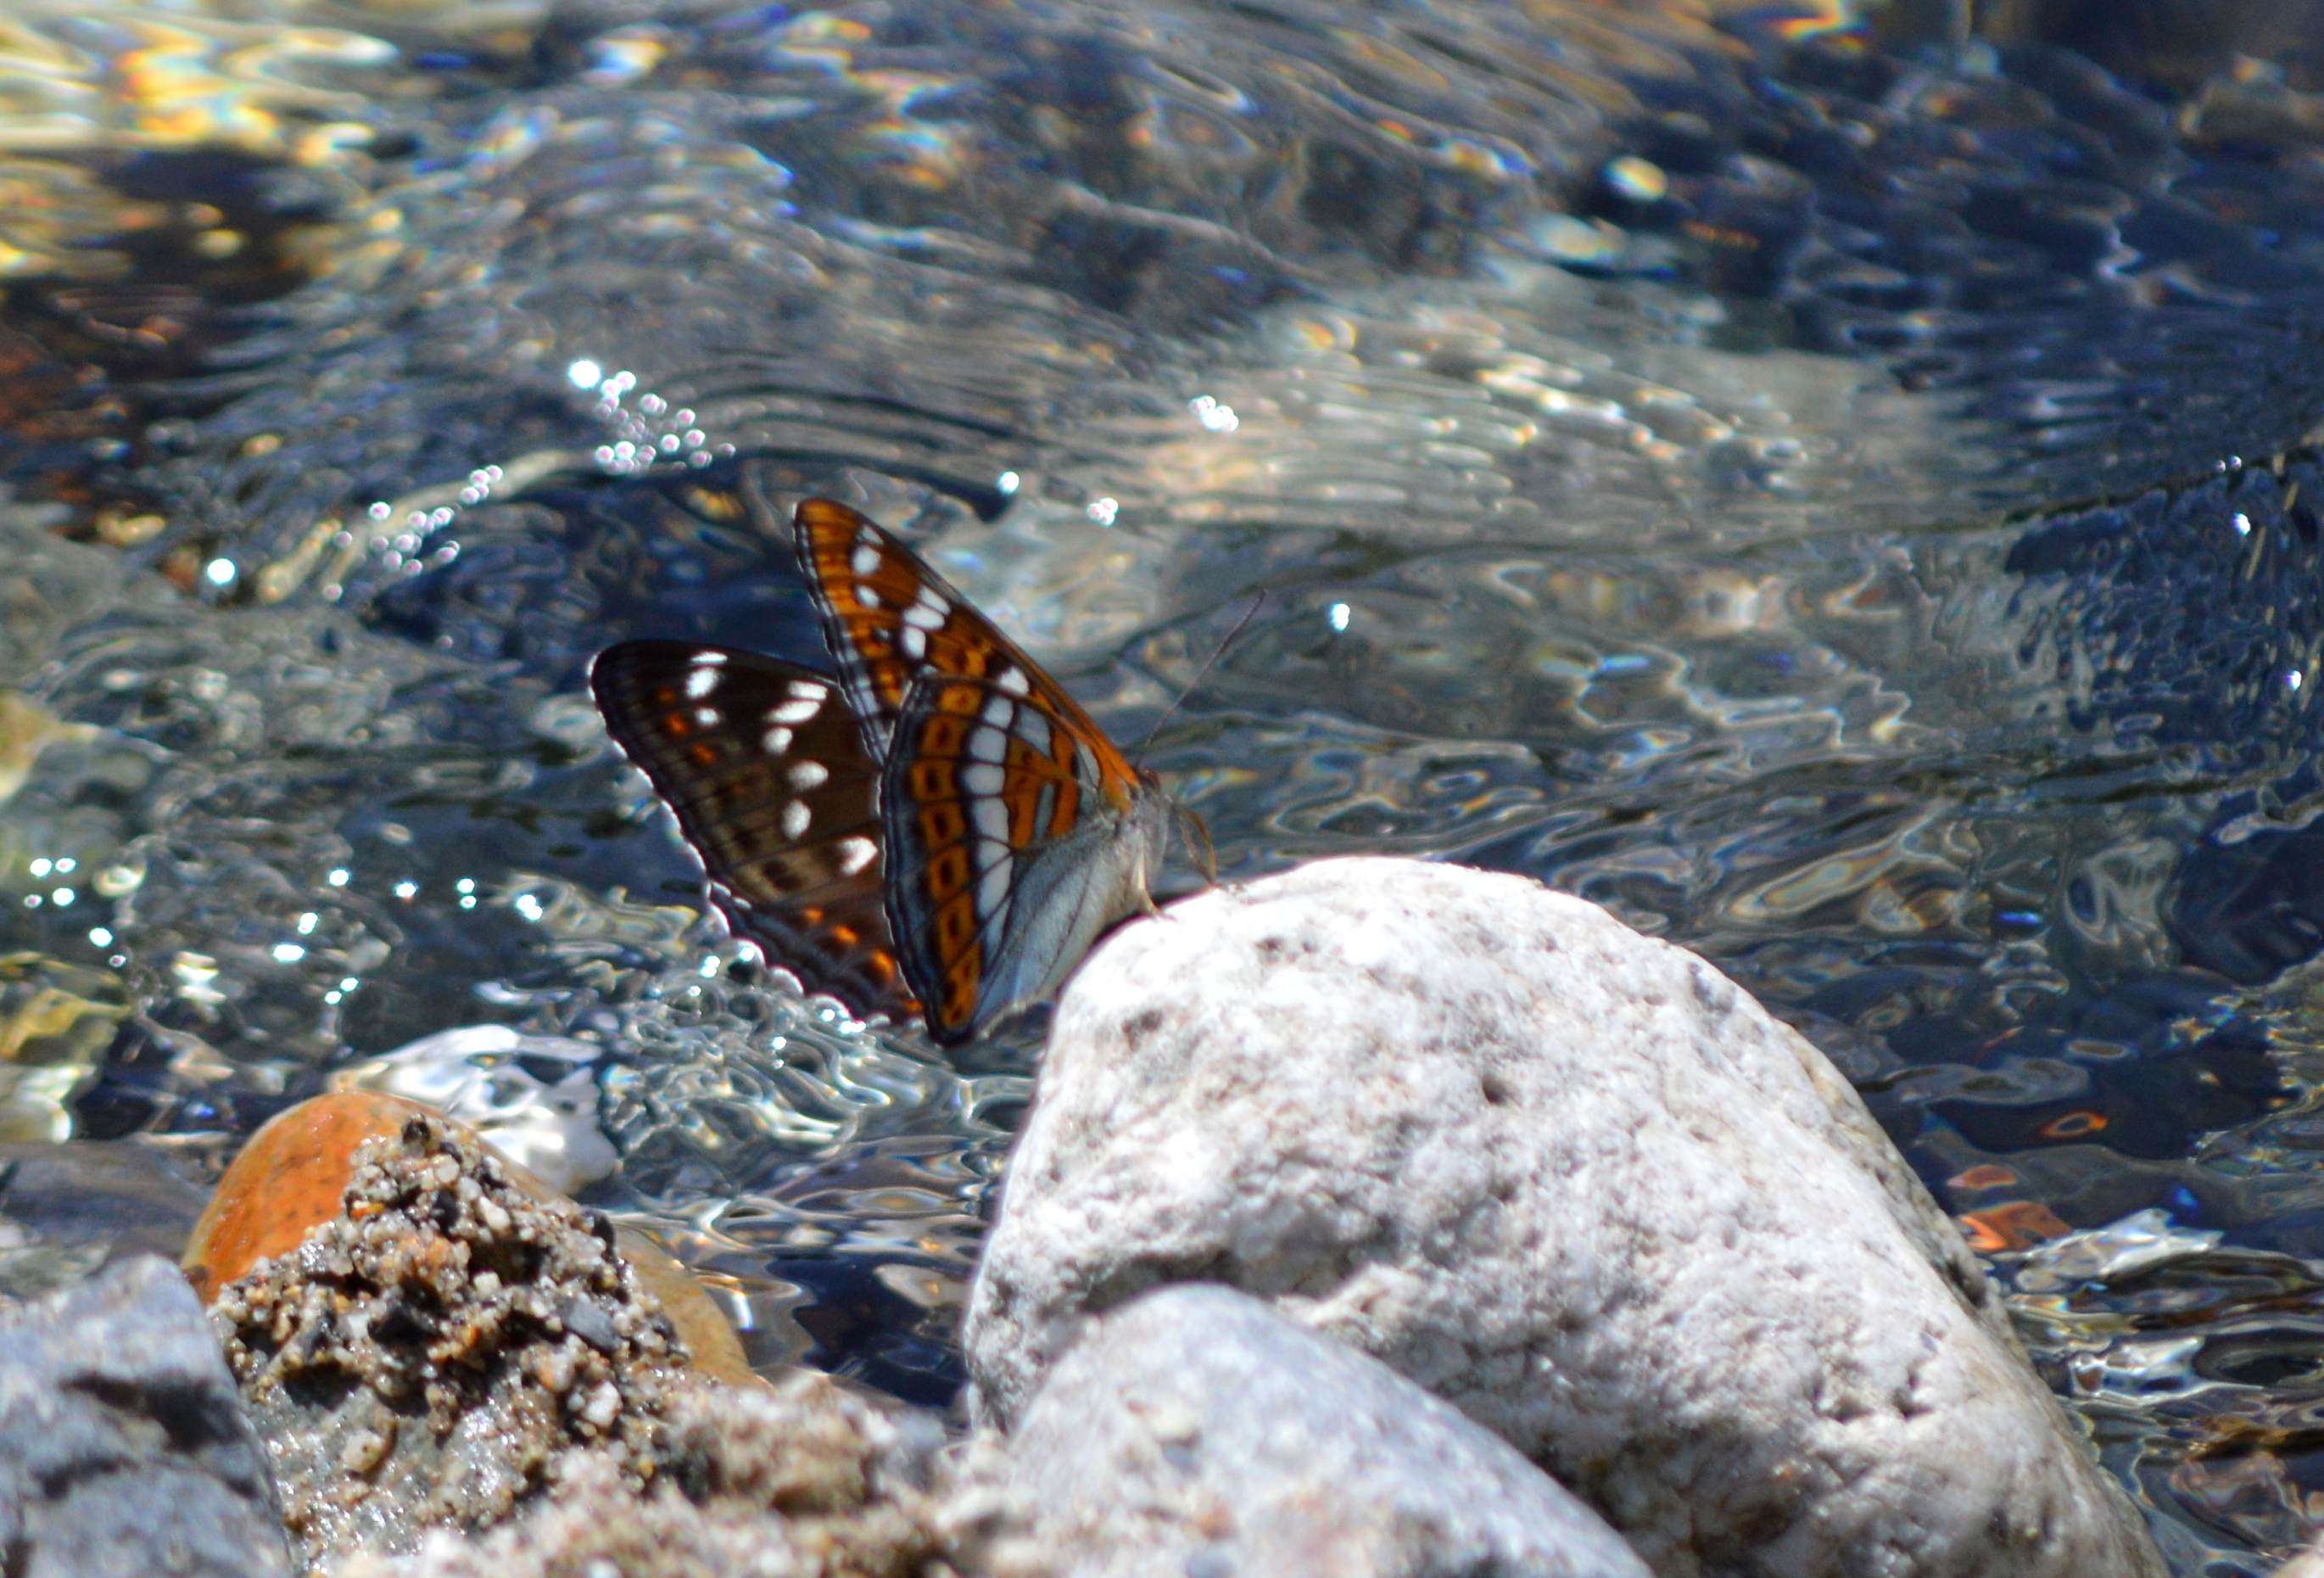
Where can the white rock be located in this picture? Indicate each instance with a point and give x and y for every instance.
(1195, 1430)
(1567, 1177)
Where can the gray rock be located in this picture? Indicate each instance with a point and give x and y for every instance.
(65, 1210)
(1567, 1177)
(1196, 1431)
(122, 1446)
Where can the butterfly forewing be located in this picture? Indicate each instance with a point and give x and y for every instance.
(764, 768)
(889, 619)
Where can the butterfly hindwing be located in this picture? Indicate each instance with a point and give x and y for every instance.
(1004, 851)
(764, 768)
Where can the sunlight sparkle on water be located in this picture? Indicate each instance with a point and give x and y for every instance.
(1215, 415)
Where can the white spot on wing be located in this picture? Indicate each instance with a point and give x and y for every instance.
(920, 617)
(1013, 681)
(982, 778)
(855, 853)
(1033, 728)
(701, 679)
(807, 775)
(794, 712)
(707, 717)
(775, 740)
(914, 640)
(997, 710)
(810, 689)
(865, 559)
(796, 818)
(987, 745)
(866, 596)
(991, 819)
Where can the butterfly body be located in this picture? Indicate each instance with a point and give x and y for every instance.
(939, 828)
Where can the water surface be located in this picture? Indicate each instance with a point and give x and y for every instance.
(1839, 496)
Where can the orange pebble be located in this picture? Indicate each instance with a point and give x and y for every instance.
(287, 1180)
(2015, 1224)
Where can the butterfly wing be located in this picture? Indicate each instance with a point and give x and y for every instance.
(1008, 852)
(763, 765)
(889, 619)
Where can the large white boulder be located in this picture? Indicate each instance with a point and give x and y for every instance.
(1567, 1177)
(1195, 1430)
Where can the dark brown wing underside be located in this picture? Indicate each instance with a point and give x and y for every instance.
(766, 771)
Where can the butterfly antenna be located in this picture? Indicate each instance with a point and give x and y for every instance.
(1249, 614)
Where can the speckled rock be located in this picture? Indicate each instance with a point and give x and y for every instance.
(292, 1176)
(805, 1479)
(434, 1355)
(1567, 1177)
(122, 1446)
(1195, 1430)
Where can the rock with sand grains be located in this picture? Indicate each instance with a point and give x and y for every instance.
(804, 1480)
(441, 1353)
(1195, 1430)
(122, 1446)
(1571, 1180)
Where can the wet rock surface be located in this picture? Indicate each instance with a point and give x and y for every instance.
(435, 1356)
(1570, 1179)
(1195, 1430)
(806, 1480)
(123, 1446)
(65, 1210)
(293, 1175)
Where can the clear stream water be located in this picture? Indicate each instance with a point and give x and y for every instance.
(1835, 492)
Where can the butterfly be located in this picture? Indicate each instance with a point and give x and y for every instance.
(937, 828)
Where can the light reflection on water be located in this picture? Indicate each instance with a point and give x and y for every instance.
(1793, 513)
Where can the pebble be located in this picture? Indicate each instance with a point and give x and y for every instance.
(397, 1391)
(292, 1175)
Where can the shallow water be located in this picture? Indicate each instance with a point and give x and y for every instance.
(1841, 500)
